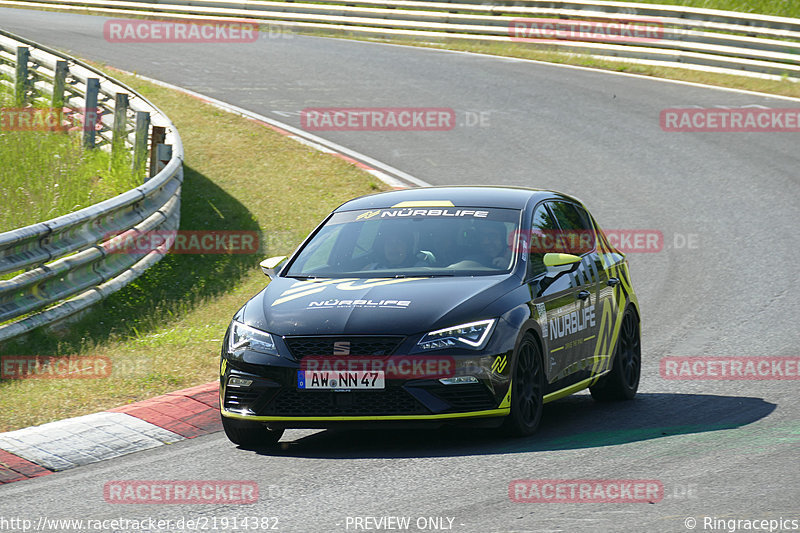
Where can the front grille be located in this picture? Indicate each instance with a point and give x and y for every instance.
(391, 401)
(466, 397)
(358, 346)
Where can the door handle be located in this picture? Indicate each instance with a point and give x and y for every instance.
(613, 282)
(584, 294)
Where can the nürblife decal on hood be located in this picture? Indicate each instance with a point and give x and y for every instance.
(372, 304)
(308, 288)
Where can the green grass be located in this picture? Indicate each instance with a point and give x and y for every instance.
(47, 174)
(781, 8)
(164, 331)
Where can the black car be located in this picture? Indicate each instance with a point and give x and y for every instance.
(433, 306)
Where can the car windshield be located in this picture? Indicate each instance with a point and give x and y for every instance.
(442, 241)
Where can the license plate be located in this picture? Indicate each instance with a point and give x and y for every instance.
(332, 379)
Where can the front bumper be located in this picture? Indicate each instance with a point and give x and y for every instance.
(273, 395)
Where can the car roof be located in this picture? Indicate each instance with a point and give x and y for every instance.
(460, 196)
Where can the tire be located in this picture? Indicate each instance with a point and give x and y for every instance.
(623, 380)
(527, 389)
(250, 435)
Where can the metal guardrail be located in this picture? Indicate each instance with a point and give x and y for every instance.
(703, 39)
(64, 265)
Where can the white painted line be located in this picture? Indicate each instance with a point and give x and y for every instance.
(85, 439)
(387, 179)
(589, 69)
(308, 137)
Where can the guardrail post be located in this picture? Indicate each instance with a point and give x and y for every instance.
(140, 144)
(90, 112)
(157, 138)
(21, 76)
(120, 124)
(163, 156)
(59, 81)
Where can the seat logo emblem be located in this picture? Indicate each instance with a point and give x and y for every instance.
(341, 348)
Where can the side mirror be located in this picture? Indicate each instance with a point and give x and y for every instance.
(555, 261)
(269, 266)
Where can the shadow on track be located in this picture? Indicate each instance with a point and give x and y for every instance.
(571, 423)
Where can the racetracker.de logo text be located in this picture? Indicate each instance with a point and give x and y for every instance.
(179, 31)
(378, 119)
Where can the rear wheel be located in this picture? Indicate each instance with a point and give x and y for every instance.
(623, 380)
(527, 389)
(250, 434)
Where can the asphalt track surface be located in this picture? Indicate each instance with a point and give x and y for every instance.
(723, 449)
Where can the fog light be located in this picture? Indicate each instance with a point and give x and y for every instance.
(239, 382)
(458, 379)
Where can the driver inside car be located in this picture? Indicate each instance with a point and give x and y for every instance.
(493, 249)
(394, 248)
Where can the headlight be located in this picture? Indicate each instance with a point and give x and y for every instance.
(473, 335)
(243, 336)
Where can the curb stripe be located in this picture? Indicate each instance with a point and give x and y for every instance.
(188, 412)
(175, 416)
(15, 468)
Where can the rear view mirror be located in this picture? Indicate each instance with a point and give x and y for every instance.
(269, 266)
(555, 261)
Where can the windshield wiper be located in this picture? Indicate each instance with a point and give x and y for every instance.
(443, 274)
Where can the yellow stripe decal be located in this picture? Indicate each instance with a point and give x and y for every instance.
(304, 285)
(474, 414)
(298, 295)
(348, 285)
(424, 203)
(506, 403)
(566, 391)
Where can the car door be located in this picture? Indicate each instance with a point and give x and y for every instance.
(578, 324)
(553, 295)
(614, 292)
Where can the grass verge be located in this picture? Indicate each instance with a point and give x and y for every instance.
(163, 332)
(47, 174)
(780, 8)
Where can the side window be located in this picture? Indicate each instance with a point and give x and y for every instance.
(542, 227)
(577, 236)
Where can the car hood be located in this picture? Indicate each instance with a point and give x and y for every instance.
(401, 306)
